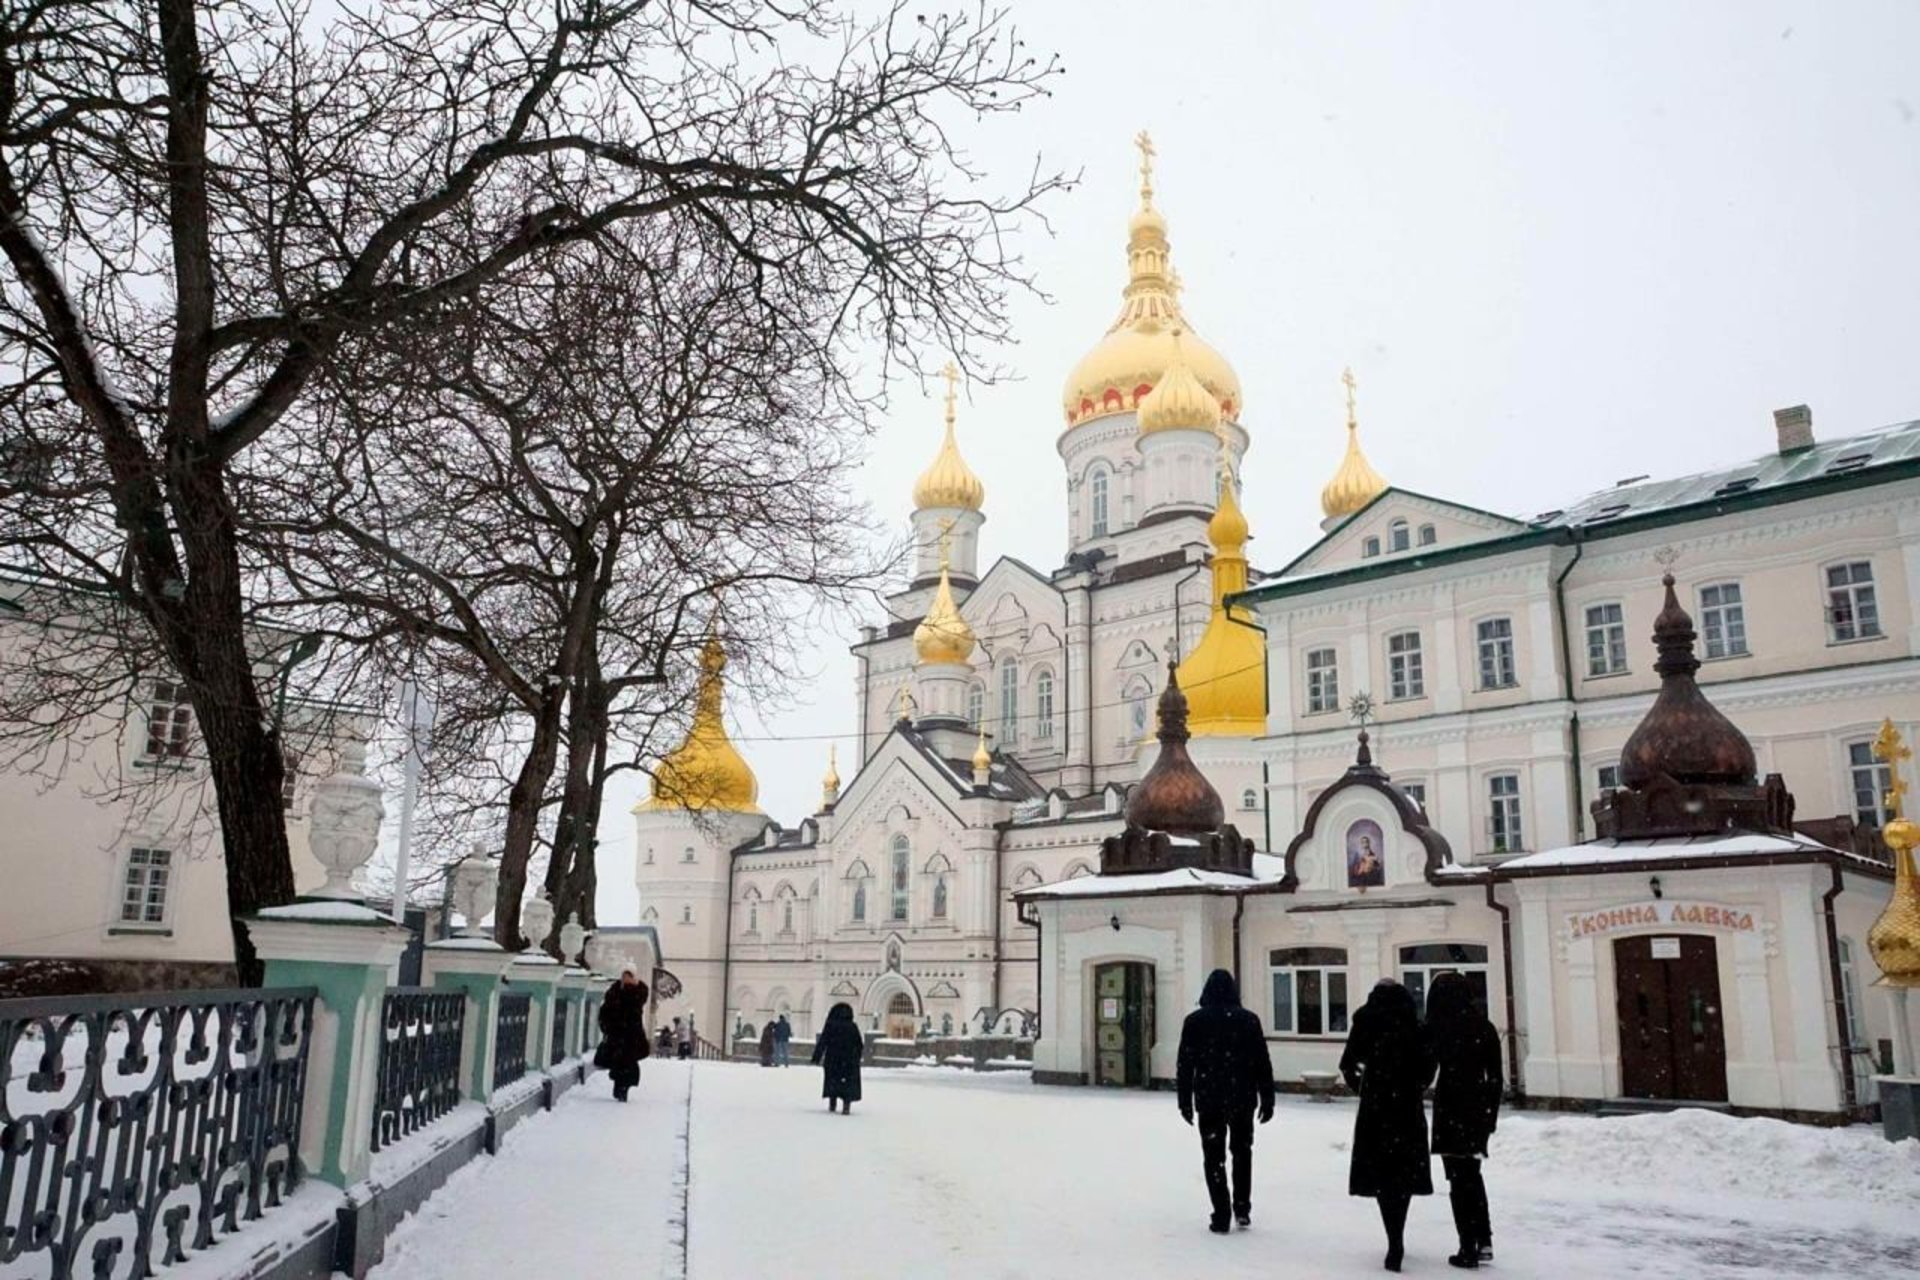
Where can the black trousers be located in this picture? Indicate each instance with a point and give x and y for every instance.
(1221, 1132)
(1468, 1192)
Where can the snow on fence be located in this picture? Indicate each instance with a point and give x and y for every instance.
(510, 1038)
(419, 1060)
(137, 1130)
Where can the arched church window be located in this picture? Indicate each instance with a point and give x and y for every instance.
(753, 917)
(940, 898)
(686, 915)
(1043, 705)
(1398, 537)
(859, 904)
(1249, 799)
(1098, 483)
(902, 876)
(1137, 696)
(786, 916)
(976, 704)
(1009, 702)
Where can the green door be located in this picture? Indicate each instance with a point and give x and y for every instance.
(1122, 1024)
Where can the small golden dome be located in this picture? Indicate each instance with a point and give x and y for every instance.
(1228, 530)
(1356, 483)
(1225, 677)
(1138, 348)
(982, 758)
(943, 635)
(1894, 940)
(706, 772)
(949, 481)
(1178, 402)
(830, 784)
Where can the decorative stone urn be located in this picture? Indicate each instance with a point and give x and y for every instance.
(599, 954)
(573, 937)
(476, 877)
(536, 920)
(344, 823)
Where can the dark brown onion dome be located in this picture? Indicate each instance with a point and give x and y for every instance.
(1175, 796)
(1683, 735)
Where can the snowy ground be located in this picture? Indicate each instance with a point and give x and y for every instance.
(946, 1174)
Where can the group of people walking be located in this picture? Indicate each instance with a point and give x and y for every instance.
(1225, 1082)
(776, 1043)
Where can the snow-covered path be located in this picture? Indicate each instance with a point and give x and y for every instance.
(946, 1174)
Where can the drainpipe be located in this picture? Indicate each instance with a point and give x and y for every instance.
(726, 949)
(1845, 1040)
(1516, 1087)
(999, 882)
(1179, 643)
(1039, 952)
(1239, 909)
(866, 694)
(1566, 681)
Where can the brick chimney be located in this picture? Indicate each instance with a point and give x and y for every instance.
(1794, 426)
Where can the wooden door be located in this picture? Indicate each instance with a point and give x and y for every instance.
(1672, 1041)
(1122, 1023)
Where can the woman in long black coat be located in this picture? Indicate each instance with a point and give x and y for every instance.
(1466, 1106)
(623, 1032)
(1388, 1064)
(838, 1049)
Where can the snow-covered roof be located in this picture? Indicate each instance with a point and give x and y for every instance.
(1732, 844)
(1267, 869)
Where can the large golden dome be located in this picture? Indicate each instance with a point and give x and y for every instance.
(1137, 350)
(706, 772)
(1356, 483)
(949, 481)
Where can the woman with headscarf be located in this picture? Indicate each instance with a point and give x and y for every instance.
(1388, 1064)
(623, 1031)
(766, 1044)
(1466, 1107)
(838, 1049)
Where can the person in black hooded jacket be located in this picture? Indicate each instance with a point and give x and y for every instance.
(1224, 1074)
(838, 1050)
(1466, 1106)
(623, 1031)
(1388, 1063)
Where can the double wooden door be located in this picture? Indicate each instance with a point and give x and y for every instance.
(1123, 1024)
(1672, 1042)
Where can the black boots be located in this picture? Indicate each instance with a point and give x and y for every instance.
(1393, 1216)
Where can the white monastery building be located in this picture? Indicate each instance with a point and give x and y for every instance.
(1655, 909)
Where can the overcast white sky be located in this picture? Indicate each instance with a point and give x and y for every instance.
(1560, 244)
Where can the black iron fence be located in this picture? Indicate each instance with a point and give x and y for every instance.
(419, 1060)
(559, 1049)
(510, 1038)
(136, 1130)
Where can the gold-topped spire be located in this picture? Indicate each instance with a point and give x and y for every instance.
(943, 635)
(830, 784)
(948, 481)
(1894, 939)
(1130, 360)
(706, 772)
(982, 758)
(1225, 677)
(1178, 401)
(1356, 483)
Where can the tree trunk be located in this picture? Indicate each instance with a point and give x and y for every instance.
(523, 817)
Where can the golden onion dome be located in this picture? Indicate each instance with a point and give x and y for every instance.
(706, 772)
(830, 784)
(1894, 940)
(1356, 483)
(982, 758)
(1225, 677)
(949, 481)
(1178, 401)
(943, 635)
(1139, 347)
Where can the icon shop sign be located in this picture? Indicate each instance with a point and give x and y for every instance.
(1661, 913)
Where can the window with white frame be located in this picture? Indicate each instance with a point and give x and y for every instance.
(1853, 612)
(1428, 535)
(1871, 779)
(169, 720)
(1607, 777)
(753, 915)
(976, 704)
(1850, 995)
(940, 897)
(1323, 680)
(1369, 548)
(1606, 639)
(1043, 705)
(860, 903)
(901, 878)
(1399, 536)
(1503, 812)
(1416, 792)
(1309, 990)
(687, 854)
(1405, 677)
(786, 916)
(686, 914)
(1097, 484)
(1723, 620)
(143, 900)
(1250, 799)
(1420, 965)
(1495, 638)
(1009, 701)
(1139, 693)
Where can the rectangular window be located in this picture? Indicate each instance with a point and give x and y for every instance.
(1420, 965)
(289, 777)
(1495, 637)
(1853, 612)
(1405, 679)
(1309, 991)
(1323, 681)
(1607, 777)
(902, 878)
(1871, 780)
(1723, 620)
(1503, 812)
(169, 720)
(1606, 640)
(144, 899)
(1009, 702)
(1370, 548)
(1416, 792)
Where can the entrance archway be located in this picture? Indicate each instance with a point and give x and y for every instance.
(901, 1022)
(1673, 1042)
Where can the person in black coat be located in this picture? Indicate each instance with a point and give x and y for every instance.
(838, 1049)
(1388, 1064)
(1224, 1074)
(623, 1032)
(1466, 1106)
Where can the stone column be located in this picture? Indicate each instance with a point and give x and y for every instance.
(574, 986)
(538, 974)
(475, 967)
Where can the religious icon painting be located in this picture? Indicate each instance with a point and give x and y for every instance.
(1366, 855)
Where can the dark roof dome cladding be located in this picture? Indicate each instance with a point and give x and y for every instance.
(1174, 816)
(1683, 736)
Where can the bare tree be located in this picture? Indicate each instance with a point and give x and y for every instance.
(203, 203)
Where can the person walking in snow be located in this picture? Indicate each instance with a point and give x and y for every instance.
(1225, 1076)
(1388, 1064)
(766, 1044)
(783, 1042)
(838, 1049)
(682, 1038)
(623, 1031)
(1466, 1107)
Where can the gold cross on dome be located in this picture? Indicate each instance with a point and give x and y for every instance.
(1147, 153)
(951, 372)
(1890, 750)
(1346, 376)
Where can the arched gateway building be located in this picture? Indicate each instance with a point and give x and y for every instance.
(993, 856)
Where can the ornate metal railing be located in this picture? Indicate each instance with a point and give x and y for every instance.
(559, 1051)
(419, 1060)
(510, 1038)
(135, 1130)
